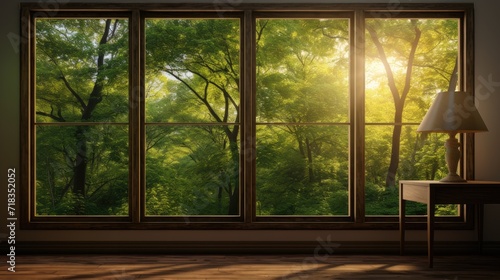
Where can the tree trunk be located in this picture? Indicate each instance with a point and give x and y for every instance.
(80, 170)
(309, 162)
(390, 180)
(399, 99)
(234, 197)
(80, 167)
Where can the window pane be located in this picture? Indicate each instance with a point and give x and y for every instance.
(192, 170)
(81, 70)
(302, 170)
(303, 70)
(81, 76)
(82, 170)
(436, 47)
(192, 70)
(421, 158)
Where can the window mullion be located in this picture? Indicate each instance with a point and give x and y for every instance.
(248, 125)
(135, 116)
(359, 115)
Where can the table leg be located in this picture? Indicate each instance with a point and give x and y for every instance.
(430, 231)
(402, 207)
(480, 221)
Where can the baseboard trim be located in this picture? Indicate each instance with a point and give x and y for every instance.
(323, 247)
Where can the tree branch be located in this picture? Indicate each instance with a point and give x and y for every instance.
(96, 94)
(224, 91)
(261, 30)
(155, 139)
(331, 36)
(73, 92)
(411, 59)
(446, 75)
(98, 188)
(171, 72)
(56, 118)
(383, 58)
(65, 81)
(66, 189)
(202, 99)
(454, 78)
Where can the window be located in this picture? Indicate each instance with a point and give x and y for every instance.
(80, 116)
(303, 121)
(244, 118)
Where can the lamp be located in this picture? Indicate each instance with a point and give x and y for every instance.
(452, 113)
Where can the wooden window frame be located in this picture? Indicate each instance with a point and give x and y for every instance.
(136, 13)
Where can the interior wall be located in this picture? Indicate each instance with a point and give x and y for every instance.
(487, 45)
(487, 85)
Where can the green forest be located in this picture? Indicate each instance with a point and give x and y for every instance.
(193, 152)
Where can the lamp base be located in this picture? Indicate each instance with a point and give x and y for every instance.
(452, 178)
(452, 157)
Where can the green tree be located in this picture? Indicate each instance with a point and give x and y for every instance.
(81, 74)
(302, 95)
(198, 61)
(418, 57)
(407, 62)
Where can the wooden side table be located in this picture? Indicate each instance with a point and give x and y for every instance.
(435, 192)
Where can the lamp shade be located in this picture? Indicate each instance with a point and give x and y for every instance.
(452, 112)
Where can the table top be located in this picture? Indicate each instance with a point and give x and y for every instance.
(430, 182)
(475, 192)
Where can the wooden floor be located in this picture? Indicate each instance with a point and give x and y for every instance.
(251, 267)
